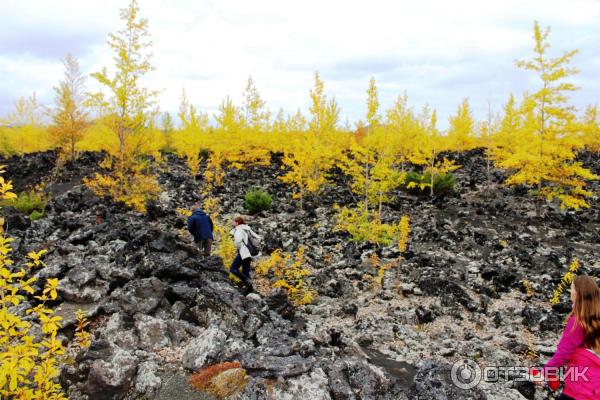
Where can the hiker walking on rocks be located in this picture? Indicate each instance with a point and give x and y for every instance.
(245, 240)
(201, 227)
(579, 346)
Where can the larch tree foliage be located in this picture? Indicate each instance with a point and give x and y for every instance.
(297, 122)
(547, 143)
(308, 155)
(429, 144)
(230, 118)
(488, 129)
(167, 127)
(69, 117)
(192, 120)
(591, 129)
(279, 124)
(461, 130)
(370, 162)
(506, 135)
(254, 109)
(189, 139)
(404, 130)
(325, 114)
(129, 112)
(25, 132)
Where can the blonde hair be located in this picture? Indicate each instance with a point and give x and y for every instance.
(587, 310)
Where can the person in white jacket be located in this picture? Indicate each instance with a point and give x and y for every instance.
(241, 235)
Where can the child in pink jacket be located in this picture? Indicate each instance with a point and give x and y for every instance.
(579, 346)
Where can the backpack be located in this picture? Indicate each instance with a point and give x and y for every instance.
(253, 243)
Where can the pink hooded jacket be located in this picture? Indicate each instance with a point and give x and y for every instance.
(569, 352)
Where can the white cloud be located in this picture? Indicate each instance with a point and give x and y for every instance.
(438, 51)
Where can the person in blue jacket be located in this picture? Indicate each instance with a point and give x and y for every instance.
(201, 227)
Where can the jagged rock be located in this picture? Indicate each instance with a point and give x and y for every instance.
(424, 316)
(183, 292)
(256, 389)
(350, 309)
(338, 383)
(100, 349)
(203, 349)
(366, 381)
(146, 381)
(152, 332)
(277, 300)
(551, 322)
(87, 294)
(15, 220)
(450, 293)
(81, 275)
(531, 316)
(113, 378)
(433, 381)
(119, 332)
(141, 296)
(180, 331)
(527, 389)
(274, 366)
(309, 386)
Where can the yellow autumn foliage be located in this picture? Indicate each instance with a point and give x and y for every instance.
(288, 271)
(29, 367)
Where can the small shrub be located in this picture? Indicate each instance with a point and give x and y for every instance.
(35, 215)
(29, 348)
(365, 226)
(404, 228)
(416, 183)
(566, 281)
(289, 272)
(28, 202)
(82, 337)
(221, 380)
(256, 201)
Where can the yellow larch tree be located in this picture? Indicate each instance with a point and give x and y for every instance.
(230, 118)
(429, 144)
(256, 114)
(307, 161)
(488, 129)
(506, 135)
(24, 132)
(280, 126)
(167, 128)
(190, 138)
(461, 130)
(547, 144)
(69, 117)
(129, 114)
(591, 129)
(296, 122)
(325, 114)
(370, 161)
(403, 129)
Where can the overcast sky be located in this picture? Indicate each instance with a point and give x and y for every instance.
(437, 51)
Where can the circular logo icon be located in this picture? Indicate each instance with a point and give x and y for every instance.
(466, 374)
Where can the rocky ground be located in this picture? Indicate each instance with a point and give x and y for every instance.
(158, 312)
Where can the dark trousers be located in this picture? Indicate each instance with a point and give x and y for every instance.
(205, 246)
(245, 264)
(565, 397)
